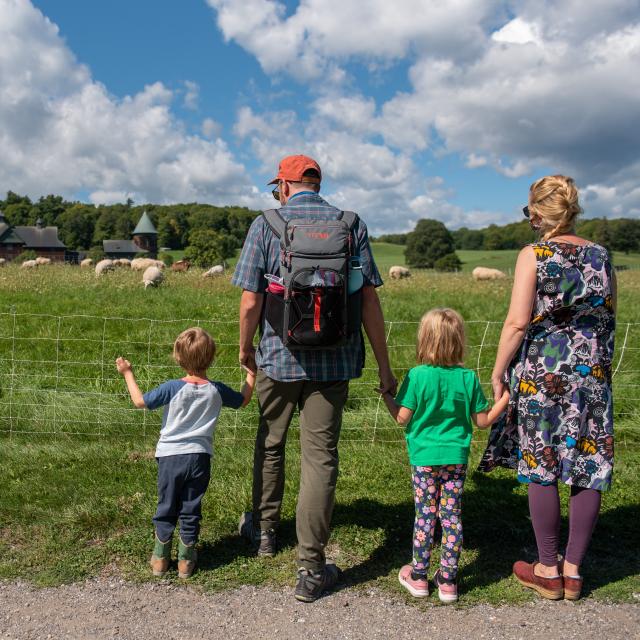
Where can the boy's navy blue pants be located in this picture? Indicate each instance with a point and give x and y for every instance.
(182, 481)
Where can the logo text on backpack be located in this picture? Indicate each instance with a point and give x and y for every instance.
(317, 235)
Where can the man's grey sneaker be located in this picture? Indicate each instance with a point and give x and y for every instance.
(312, 585)
(267, 546)
(264, 542)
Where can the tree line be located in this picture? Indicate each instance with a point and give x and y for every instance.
(619, 234)
(83, 227)
(432, 245)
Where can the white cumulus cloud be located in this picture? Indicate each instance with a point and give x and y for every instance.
(63, 132)
(513, 85)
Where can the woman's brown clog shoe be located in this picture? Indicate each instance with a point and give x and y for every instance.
(550, 588)
(572, 588)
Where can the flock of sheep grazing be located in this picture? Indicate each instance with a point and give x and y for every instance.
(153, 269)
(479, 273)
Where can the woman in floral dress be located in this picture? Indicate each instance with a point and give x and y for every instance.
(555, 354)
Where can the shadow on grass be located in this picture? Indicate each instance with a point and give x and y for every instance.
(498, 528)
(229, 548)
(495, 521)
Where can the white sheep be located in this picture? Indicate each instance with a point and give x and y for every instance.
(397, 273)
(29, 264)
(122, 262)
(152, 276)
(485, 273)
(140, 264)
(2, 262)
(103, 266)
(87, 262)
(40, 260)
(218, 270)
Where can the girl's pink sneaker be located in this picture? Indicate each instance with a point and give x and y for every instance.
(447, 591)
(418, 588)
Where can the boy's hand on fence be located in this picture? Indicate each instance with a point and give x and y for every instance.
(123, 365)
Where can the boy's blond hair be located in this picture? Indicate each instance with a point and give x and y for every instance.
(441, 338)
(194, 350)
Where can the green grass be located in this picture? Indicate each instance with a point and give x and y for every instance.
(80, 496)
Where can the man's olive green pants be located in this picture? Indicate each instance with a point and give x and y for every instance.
(320, 405)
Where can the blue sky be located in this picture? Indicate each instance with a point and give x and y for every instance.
(444, 109)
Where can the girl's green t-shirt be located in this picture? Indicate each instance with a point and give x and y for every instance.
(442, 400)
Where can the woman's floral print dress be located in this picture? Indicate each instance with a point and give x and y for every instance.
(559, 423)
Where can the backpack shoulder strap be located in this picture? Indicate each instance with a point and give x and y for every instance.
(275, 221)
(350, 218)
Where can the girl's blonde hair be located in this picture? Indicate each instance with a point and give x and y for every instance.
(555, 200)
(194, 349)
(441, 338)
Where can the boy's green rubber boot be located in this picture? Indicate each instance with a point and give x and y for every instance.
(187, 558)
(161, 557)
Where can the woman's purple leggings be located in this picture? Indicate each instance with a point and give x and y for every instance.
(544, 507)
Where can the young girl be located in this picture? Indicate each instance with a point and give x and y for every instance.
(437, 402)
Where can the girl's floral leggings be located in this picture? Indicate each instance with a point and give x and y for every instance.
(438, 495)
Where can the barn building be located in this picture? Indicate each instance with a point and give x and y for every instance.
(43, 240)
(144, 240)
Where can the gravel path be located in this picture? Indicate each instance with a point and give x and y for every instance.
(112, 608)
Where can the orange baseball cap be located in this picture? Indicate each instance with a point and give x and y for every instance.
(292, 169)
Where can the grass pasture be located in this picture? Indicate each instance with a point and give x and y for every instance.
(77, 475)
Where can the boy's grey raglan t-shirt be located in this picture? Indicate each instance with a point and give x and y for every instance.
(190, 414)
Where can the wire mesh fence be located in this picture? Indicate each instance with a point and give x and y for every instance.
(58, 376)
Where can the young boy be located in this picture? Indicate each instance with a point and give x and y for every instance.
(192, 405)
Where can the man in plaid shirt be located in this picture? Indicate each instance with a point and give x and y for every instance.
(314, 381)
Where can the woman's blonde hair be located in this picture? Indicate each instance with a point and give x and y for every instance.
(194, 350)
(555, 200)
(441, 338)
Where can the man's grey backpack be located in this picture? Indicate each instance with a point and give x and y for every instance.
(315, 304)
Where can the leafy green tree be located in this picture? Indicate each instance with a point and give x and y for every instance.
(494, 238)
(49, 208)
(428, 242)
(465, 238)
(210, 218)
(16, 208)
(625, 235)
(393, 238)
(76, 226)
(602, 234)
(105, 228)
(207, 248)
(521, 234)
(239, 221)
(172, 229)
(448, 263)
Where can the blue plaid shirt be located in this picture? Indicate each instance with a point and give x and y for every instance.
(261, 254)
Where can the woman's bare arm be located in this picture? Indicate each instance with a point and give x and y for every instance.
(518, 317)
